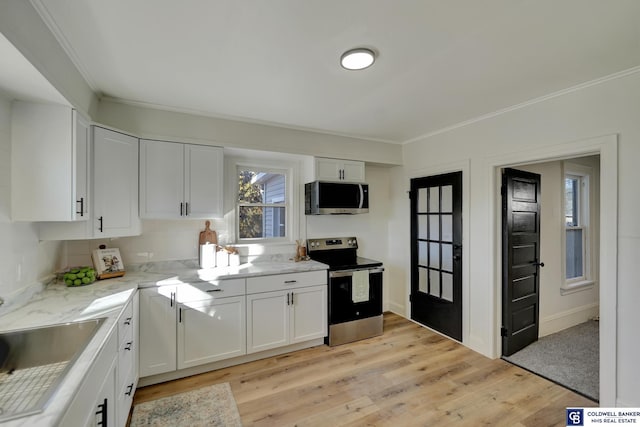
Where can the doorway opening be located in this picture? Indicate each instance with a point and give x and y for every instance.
(550, 315)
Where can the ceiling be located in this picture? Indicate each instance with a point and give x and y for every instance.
(440, 62)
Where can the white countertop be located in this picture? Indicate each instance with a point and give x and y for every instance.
(58, 303)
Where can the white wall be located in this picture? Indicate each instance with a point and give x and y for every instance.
(23, 260)
(609, 107)
(175, 126)
(559, 311)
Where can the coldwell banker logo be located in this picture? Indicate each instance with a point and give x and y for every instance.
(575, 417)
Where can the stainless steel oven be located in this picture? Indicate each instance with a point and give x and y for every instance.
(355, 290)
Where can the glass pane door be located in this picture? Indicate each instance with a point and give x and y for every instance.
(435, 241)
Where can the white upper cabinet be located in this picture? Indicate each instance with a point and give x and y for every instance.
(180, 180)
(50, 163)
(115, 184)
(339, 170)
(114, 190)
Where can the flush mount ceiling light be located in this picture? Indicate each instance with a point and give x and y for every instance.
(358, 58)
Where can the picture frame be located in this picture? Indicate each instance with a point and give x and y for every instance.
(107, 263)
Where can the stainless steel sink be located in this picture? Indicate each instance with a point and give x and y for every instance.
(34, 361)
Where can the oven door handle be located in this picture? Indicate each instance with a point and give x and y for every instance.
(347, 273)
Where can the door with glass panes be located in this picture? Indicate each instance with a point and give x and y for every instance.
(436, 253)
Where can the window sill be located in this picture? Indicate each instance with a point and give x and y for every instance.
(570, 288)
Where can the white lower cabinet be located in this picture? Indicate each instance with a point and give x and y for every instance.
(191, 324)
(105, 405)
(95, 399)
(285, 309)
(268, 320)
(127, 360)
(157, 330)
(210, 330)
(280, 318)
(106, 394)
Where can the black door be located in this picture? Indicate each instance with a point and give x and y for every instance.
(436, 253)
(520, 259)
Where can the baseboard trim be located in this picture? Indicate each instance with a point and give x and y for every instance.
(182, 373)
(398, 309)
(566, 319)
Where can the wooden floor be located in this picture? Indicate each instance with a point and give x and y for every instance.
(410, 376)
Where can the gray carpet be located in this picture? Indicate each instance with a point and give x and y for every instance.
(570, 358)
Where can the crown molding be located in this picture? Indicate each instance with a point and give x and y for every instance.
(534, 101)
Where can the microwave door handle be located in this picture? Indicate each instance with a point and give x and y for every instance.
(361, 202)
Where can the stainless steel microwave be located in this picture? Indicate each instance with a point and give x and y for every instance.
(335, 198)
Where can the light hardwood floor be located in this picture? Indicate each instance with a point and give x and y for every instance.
(410, 376)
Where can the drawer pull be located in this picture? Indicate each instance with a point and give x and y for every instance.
(290, 281)
(129, 346)
(214, 290)
(127, 321)
(130, 389)
(102, 412)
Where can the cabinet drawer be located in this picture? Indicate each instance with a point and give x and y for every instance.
(286, 281)
(125, 324)
(197, 291)
(125, 357)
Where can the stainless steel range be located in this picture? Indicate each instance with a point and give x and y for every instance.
(355, 289)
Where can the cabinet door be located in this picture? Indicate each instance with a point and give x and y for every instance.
(353, 171)
(211, 330)
(157, 330)
(267, 320)
(328, 169)
(105, 406)
(82, 138)
(161, 179)
(203, 181)
(115, 184)
(308, 313)
(42, 166)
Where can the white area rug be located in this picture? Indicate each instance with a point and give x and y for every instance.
(212, 406)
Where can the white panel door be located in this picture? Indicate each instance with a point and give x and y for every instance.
(157, 330)
(267, 320)
(115, 184)
(308, 313)
(211, 330)
(203, 181)
(161, 179)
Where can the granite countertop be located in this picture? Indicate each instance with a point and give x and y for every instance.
(57, 303)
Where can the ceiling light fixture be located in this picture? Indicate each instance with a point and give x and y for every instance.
(358, 58)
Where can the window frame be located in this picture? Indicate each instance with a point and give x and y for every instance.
(584, 174)
(287, 204)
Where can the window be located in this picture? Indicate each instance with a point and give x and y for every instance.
(576, 222)
(262, 204)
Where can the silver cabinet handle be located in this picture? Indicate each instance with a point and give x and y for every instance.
(290, 281)
(214, 290)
